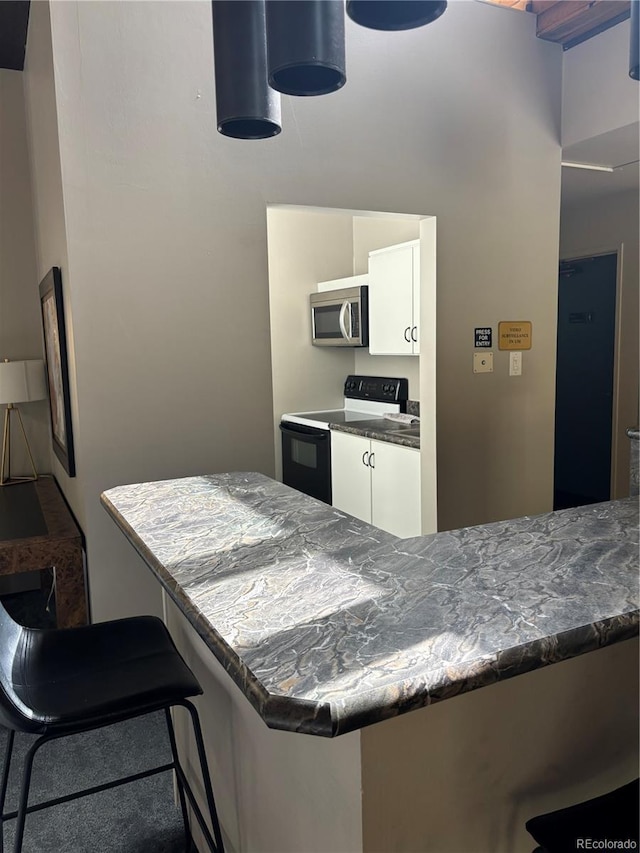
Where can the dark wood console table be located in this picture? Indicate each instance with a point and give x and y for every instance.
(37, 531)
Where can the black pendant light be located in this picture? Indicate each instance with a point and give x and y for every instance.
(305, 46)
(634, 53)
(247, 107)
(395, 14)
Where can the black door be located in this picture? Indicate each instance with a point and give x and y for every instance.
(584, 380)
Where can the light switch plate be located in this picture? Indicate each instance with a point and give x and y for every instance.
(515, 364)
(483, 362)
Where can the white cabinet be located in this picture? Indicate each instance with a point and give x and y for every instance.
(394, 300)
(395, 489)
(351, 474)
(378, 482)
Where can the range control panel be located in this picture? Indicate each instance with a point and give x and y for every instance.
(380, 388)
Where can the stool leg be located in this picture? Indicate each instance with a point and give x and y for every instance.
(195, 720)
(183, 802)
(5, 782)
(24, 793)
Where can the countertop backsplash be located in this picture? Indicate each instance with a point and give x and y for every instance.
(413, 407)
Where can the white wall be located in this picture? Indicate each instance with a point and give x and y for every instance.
(597, 93)
(610, 224)
(305, 247)
(166, 236)
(20, 326)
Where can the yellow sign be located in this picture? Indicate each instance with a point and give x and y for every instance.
(514, 335)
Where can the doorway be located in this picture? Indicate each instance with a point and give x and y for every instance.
(585, 380)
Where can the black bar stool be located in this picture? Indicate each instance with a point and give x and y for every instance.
(613, 817)
(62, 682)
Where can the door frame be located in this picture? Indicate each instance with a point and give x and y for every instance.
(617, 359)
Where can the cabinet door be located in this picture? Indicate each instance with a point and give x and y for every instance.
(391, 301)
(351, 475)
(415, 332)
(395, 489)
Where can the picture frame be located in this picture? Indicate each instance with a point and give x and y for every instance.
(57, 368)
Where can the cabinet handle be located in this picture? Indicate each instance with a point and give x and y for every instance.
(372, 460)
(406, 334)
(366, 453)
(414, 331)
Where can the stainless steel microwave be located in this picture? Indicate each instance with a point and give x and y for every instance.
(340, 318)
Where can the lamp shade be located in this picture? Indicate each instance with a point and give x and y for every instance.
(305, 46)
(394, 14)
(634, 51)
(247, 107)
(22, 381)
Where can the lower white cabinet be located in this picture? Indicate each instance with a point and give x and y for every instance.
(378, 482)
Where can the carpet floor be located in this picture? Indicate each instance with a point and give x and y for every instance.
(140, 817)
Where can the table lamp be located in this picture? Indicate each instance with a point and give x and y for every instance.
(20, 382)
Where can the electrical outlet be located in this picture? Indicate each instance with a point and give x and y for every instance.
(515, 364)
(483, 362)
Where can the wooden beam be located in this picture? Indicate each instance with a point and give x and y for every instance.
(510, 4)
(568, 21)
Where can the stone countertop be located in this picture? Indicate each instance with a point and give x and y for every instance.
(634, 433)
(382, 429)
(328, 624)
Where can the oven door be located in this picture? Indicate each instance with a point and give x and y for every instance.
(306, 460)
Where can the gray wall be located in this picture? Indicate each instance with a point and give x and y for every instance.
(48, 203)
(20, 326)
(596, 72)
(166, 238)
(609, 224)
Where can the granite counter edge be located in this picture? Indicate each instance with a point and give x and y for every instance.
(362, 709)
(278, 712)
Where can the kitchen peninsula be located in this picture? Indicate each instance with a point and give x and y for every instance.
(328, 625)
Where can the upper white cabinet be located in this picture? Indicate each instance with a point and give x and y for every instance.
(377, 481)
(394, 300)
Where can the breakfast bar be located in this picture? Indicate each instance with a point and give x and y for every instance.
(330, 627)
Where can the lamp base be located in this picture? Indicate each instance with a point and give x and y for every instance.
(5, 465)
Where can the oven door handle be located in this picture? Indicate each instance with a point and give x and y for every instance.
(307, 432)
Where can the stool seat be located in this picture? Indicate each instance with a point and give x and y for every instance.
(59, 682)
(65, 678)
(610, 817)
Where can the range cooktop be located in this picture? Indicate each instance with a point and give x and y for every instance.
(365, 398)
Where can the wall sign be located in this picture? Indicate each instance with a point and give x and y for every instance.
(514, 334)
(482, 337)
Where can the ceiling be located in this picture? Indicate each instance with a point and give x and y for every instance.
(617, 149)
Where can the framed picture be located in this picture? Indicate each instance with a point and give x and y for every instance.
(55, 348)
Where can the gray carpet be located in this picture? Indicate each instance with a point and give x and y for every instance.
(137, 818)
(140, 817)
